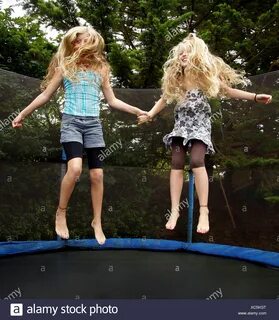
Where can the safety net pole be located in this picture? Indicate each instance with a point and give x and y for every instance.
(190, 206)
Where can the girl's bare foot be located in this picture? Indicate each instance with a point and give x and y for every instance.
(99, 234)
(170, 225)
(203, 225)
(61, 223)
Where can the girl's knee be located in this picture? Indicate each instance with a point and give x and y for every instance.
(96, 176)
(177, 164)
(178, 157)
(196, 163)
(74, 172)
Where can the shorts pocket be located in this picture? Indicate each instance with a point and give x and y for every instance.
(67, 120)
(99, 123)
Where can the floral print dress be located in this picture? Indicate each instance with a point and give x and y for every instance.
(192, 120)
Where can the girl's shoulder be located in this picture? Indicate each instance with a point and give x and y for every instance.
(58, 71)
(104, 71)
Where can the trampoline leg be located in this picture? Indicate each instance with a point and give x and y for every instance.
(191, 206)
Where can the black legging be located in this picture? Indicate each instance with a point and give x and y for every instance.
(197, 153)
(74, 149)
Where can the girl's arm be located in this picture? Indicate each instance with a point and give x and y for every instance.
(41, 99)
(158, 107)
(116, 103)
(241, 94)
(46, 95)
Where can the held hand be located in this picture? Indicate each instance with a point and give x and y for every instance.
(144, 118)
(263, 98)
(18, 121)
(140, 112)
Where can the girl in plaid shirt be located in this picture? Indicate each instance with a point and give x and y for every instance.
(80, 67)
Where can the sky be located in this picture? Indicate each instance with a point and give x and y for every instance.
(19, 12)
(6, 3)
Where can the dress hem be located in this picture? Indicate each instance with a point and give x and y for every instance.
(167, 139)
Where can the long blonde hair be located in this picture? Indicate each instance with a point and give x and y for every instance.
(204, 69)
(92, 54)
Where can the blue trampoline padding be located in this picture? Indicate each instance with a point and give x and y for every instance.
(20, 247)
(253, 255)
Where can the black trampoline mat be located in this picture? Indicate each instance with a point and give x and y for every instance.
(134, 274)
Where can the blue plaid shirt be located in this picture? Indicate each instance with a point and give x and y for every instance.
(82, 98)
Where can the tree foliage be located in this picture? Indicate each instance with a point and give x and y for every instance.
(139, 34)
(24, 48)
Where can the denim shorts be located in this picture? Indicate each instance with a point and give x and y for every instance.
(85, 130)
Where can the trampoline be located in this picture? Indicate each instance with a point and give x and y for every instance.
(137, 267)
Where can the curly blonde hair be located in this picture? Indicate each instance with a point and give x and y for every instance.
(68, 59)
(207, 71)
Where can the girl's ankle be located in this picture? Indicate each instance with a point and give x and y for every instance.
(62, 209)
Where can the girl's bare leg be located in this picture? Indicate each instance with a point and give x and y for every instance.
(176, 180)
(197, 154)
(201, 183)
(66, 189)
(176, 185)
(97, 190)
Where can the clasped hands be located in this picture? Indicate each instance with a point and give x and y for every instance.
(143, 117)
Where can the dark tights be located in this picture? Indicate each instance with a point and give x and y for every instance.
(197, 153)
